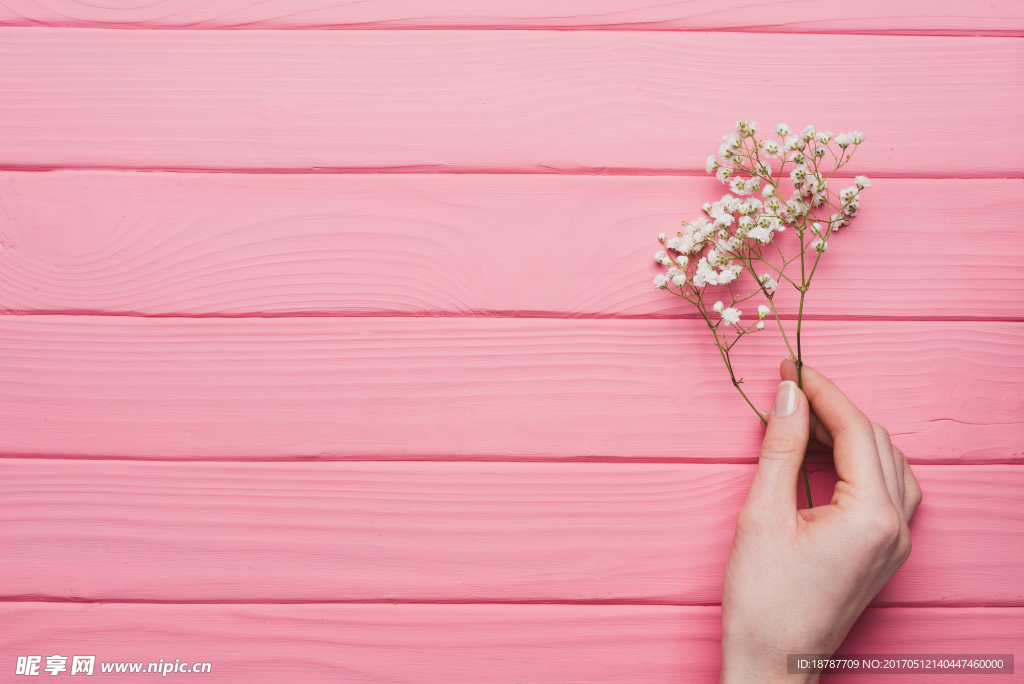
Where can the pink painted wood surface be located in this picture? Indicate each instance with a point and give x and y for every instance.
(940, 17)
(455, 244)
(458, 388)
(533, 101)
(438, 644)
(436, 532)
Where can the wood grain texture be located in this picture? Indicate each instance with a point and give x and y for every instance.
(466, 245)
(533, 101)
(448, 532)
(942, 17)
(478, 643)
(498, 389)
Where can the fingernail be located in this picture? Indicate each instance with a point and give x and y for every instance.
(786, 399)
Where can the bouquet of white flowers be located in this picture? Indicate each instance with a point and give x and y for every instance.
(738, 233)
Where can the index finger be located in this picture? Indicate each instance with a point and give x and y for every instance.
(854, 448)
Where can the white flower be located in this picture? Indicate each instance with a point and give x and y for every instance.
(682, 261)
(726, 276)
(857, 137)
(731, 316)
(781, 130)
(815, 228)
(851, 209)
(844, 140)
(661, 237)
(730, 142)
(762, 311)
(820, 245)
(862, 182)
(799, 158)
(718, 307)
(807, 134)
(772, 148)
(738, 185)
(731, 203)
(769, 283)
(712, 164)
(723, 173)
(760, 325)
(679, 280)
(660, 281)
(795, 144)
(746, 128)
(768, 191)
(848, 194)
(762, 235)
(663, 259)
(706, 207)
(705, 275)
(799, 175)
(823, 137)
(724, 220)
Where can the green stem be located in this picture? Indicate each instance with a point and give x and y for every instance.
(799, 355)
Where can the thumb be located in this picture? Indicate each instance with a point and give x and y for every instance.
(782, 453)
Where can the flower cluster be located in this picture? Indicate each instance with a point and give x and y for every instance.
(776, 184)
(740, 233)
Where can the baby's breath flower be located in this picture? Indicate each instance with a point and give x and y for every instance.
(723, 173)
(844, 140)
(731, 316)
(706, 207)
(772, 148)
(795, 144)
(768, 191)
(820, 245)
(682, 260)
(660, 281)
(712, 164)
(857, 137)
(746, 128)
(730, 143)
(781, 130)
(762, 235)
(862, 182)
(679, 280)
(719, 307)
(769, 283)
(807, 134)
(661, 237)
(663, 259)
(848, 194)
(823, 137)
(760, 325)
(762, 311)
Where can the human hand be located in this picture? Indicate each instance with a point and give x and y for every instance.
(796, 580)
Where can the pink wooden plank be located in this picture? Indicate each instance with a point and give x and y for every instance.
(941, 17)
(321, 387)
(465, 532)
(534, 101)
(479, 245)
(459, 643)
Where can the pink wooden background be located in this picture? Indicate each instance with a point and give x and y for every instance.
(330, 352)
